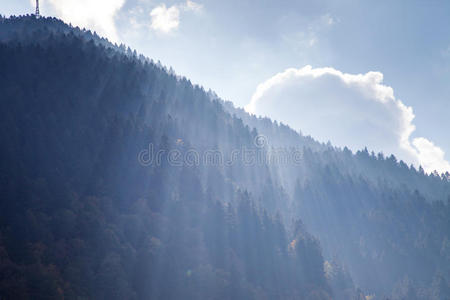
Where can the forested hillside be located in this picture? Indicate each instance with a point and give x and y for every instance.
(87, 211)
(82, 218)
(387, 222)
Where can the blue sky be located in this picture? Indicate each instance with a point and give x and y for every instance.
(235, 46)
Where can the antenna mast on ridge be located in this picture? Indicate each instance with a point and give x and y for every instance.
(37, 14)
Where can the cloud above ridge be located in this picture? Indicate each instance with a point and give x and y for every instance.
(96, 15)
(166, 19)
(349, 110)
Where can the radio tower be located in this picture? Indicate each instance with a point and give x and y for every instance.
(37, 14)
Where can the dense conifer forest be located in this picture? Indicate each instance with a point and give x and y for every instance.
(88, 212)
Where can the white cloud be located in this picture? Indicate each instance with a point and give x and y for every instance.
(191, 5)
(349, 110)
(96, 15)
(431, 157)
(166, 19)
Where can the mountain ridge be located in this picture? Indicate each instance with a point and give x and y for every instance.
(368, 211)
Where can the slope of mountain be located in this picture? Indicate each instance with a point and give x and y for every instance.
(121, 180)
(82, 218)
(373, 166)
